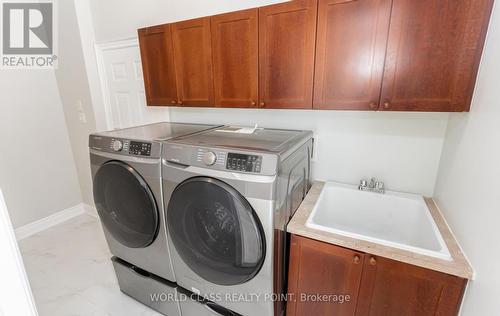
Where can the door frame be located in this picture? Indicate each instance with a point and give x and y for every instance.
(99, 49)
(16, 297)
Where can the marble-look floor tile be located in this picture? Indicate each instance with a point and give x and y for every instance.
(71, 274)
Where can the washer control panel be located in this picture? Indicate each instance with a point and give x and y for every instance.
(245, 163)
(139, 148)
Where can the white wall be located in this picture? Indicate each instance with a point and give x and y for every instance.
(403, 149)
(467, 189)
(131, 15)
(37, 172)
(75, 95)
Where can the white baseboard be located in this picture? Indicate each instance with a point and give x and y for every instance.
(90, 210)
(49, 221)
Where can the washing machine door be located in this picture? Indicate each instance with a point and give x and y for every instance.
(126, 204)
(215, 230)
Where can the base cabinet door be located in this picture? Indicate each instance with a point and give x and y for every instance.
(392, 288)
(157, 56)
(322, 276)
(193, 62)
(319, 270)
(287, 34)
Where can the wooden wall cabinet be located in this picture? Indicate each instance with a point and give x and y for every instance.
(158, 65)
(286, 54)
(235, 43)
(377, 286)
(193, 62)
(433, 54)
(350, 53)
(389, 55)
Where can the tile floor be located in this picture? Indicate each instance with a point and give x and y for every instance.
(70, 272)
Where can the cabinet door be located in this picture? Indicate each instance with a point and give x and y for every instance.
(287, 34)
(391, 288)
(157, 57)
(433, 54)
(235, 48)
(317, 268)
(193, 62)
(350, 53)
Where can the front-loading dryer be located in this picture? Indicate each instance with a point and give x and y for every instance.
(127, 187)
(228, 195)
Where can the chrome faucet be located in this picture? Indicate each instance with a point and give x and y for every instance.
(373, 186)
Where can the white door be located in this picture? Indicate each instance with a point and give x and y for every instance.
(123, 86)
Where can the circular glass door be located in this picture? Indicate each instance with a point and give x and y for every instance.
(125, 204)
(215, 231)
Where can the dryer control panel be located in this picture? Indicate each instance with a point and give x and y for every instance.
(242, 162)
(233, 161)
(125, 147)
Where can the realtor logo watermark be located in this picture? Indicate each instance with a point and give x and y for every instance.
(29, 38)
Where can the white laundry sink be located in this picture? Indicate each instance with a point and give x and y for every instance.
(392, 219)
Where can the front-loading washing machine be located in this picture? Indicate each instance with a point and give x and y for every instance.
(127, 187)
(228, 195)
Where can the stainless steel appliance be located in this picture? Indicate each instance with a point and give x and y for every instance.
(127, 187)
(228, 195)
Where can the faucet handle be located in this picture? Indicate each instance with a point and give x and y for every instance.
(362, 184)
(379, 185)
(373, 183)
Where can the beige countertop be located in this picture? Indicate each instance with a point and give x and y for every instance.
(458, 266)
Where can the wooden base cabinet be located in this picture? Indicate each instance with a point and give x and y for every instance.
(325, 279)
(318, 268)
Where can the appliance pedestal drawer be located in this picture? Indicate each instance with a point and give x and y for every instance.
(193, 306)
(159, 294)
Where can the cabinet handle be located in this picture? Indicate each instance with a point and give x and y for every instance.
(387, 105)
(262, 104)
(373, 261)
(373, 105)
(356, 259)
(173, 102)
(179, 102)
(253, 103)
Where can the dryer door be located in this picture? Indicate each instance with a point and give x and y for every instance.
(215, 231)
(125, 204)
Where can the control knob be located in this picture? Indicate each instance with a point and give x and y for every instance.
(117, 145)
(209, 158)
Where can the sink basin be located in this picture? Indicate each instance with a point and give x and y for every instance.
(393, 219)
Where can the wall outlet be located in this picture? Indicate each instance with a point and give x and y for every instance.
(82, 117)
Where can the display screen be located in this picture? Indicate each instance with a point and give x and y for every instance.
(241, 162)
(140, 149)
